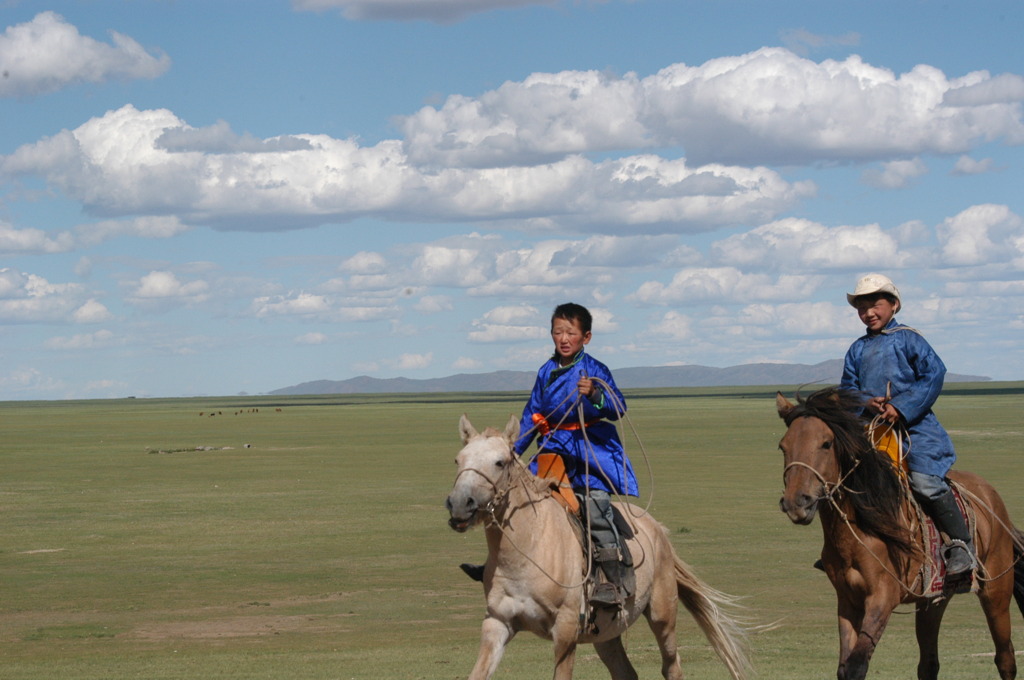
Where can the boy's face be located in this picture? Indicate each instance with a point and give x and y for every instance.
(875, 312)
(569, 339)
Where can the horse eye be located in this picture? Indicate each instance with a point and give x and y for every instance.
(500, 464)
(827, 445)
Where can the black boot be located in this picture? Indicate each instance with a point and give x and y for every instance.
(958, 552)
(608, 592)
(474, 571)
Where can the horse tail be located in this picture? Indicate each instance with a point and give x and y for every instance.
(1018, 568)
(708, 607)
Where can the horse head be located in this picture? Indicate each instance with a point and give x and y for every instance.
(485, 463)
(810, 465)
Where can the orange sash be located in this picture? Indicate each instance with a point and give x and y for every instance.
(544, 427)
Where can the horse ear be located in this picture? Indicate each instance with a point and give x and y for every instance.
(466, 429)
(512, 430)
(783, 405)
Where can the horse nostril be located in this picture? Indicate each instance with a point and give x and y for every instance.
(471, 505)
(448, 504)
(806, 500)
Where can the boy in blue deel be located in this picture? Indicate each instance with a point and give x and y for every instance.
(901, 376)
(594, 458)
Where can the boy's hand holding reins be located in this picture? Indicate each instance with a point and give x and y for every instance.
(587, 387)
(884, 409)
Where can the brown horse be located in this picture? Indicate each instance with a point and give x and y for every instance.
(873, 560)
(535, 576)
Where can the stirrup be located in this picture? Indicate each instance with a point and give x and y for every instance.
(606, 595)
(959, 557)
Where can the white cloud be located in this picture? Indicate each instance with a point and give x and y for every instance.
(414, 361)
(301, 304)
(724, 284)
(29, 240)
(102, 338)
(800, 245)
(442, 265)
(14, 240)
(512, 314)
(604, 320)
(160, 286)
(325, 308)
(981, 89)
(616, 251)
(440, 11)
(109, 387)
(47, 54)
(365, 263)
(30, 381)
(311, 339)
(467, 364)
(509, 323)
(156, 226)
(965, 165)
(220, 138)
(768, 106)
(895, 174)
(113, 164)
(801, 318)
(92, 311)
(29, 298)
(982, 234)
(432, 304)
(673, 326)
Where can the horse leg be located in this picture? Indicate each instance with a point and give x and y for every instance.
(859, 632)
(613, 654)
(661, 616)
(927, 621)
(995, 602)
(494, 636)
(849, 624)
(565, 658)
(661, 613)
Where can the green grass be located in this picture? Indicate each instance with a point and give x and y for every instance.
(144, 540)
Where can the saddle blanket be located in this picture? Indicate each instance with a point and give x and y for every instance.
(933, 569)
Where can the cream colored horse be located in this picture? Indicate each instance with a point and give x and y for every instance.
(535, 571)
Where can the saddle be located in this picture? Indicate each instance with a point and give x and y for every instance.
(551, 466)
(933, 568)
(609, 557)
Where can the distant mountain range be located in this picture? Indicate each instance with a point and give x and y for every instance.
(825, 373)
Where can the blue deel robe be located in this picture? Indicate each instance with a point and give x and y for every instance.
(555, 397)
(900, 356)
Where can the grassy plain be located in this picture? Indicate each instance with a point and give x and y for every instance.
(305, 537)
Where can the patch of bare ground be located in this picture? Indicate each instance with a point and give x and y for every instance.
(251, 619)
(259, 620)
(255, 625)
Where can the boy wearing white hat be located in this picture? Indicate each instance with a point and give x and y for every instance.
(901, 376)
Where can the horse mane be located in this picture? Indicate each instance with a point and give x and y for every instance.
(871, 485)
(520, 472)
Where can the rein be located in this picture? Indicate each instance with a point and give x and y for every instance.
(832, 491)
(500, 504)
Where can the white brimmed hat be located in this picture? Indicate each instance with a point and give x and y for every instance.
(875, 283)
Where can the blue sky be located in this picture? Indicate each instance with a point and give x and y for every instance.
(214, 198)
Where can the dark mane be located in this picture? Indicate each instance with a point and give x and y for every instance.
(871, 485)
